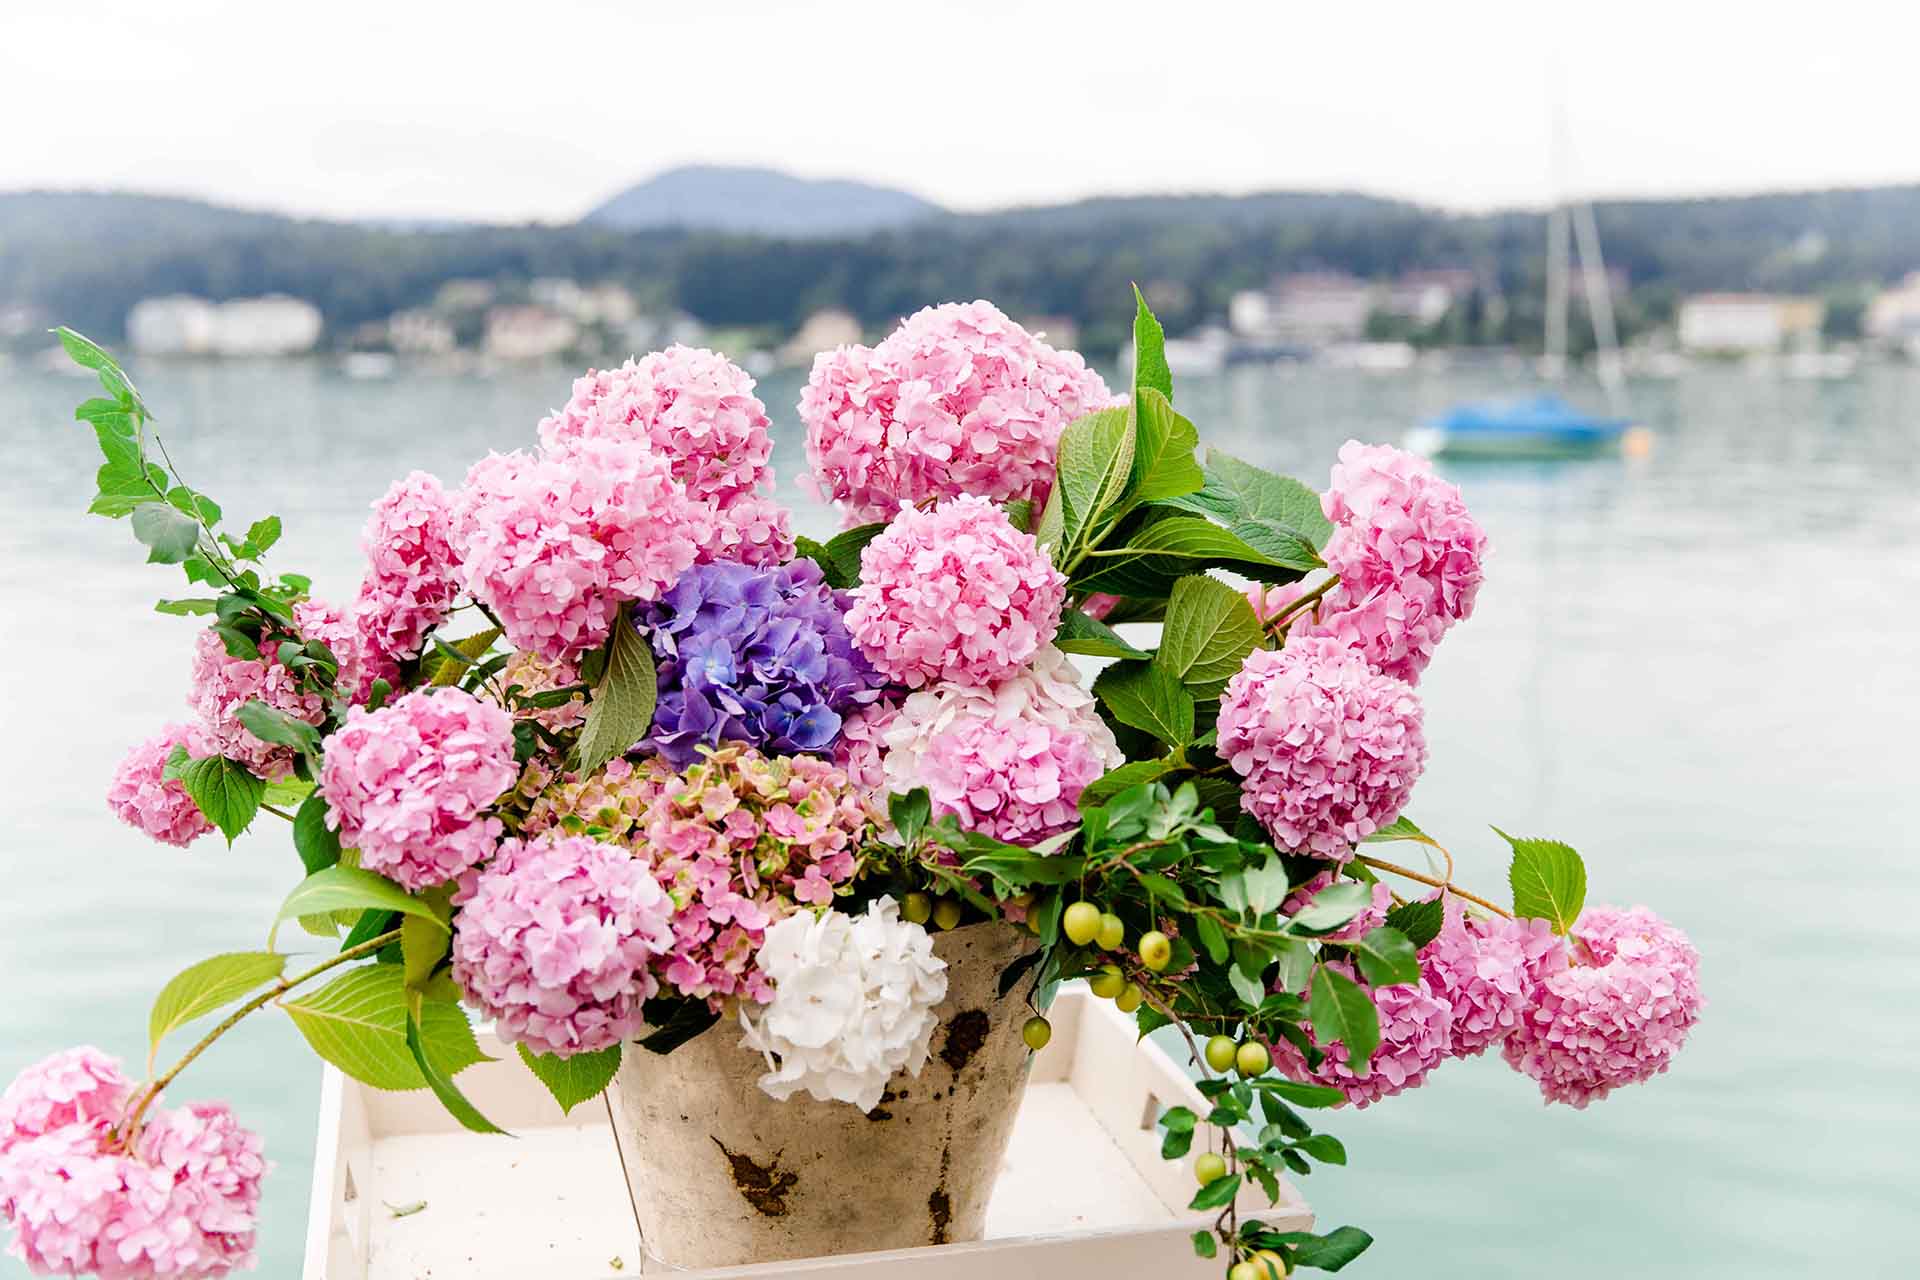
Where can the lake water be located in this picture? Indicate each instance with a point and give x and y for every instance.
(1699, 669)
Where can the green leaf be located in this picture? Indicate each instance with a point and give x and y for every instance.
(1295, 959)
(341, 888)
(1163, 461)
(1209, 631)
(1216, 1194)
(1302, 1095)
(84, 352)
(1421, 922)
(1150, 371)
(1147, 697)
(111, 416)
(1237, 490)
(262, 534)
(439, 1081)
(1324, 1147)
(1178, 1120)
(1094, 463)
(621, 712)
(805, 548)
(1080, 633)
(1019, 513)
(212, 984)
(291, 791)
(909, 812)
(358, 1022)
(1549, 881)
(168, 535)
(1052, 528)
(1329, 1252)
(674, 1021)
(1386, 957)
(844, 549)
(1114, 781)
(456, 656)
(423, 941)
(1176, 1144)
(225, 792)
(184, 608)
(1204, 1245)
(574, 1080)
(270, 724)
(1158, 554)
(1401, 828)
(1213, 938)
(1266, 885)
(318, 847)
(1340, 1009)
(195, 505)
(1333, 906)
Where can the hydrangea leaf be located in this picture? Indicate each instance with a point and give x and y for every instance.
(225, 792)
(342, 888)
(1150, 369)
(1160, 553)
(1209, 631)
(213, 983)
(1340, 1009)
(438, 1080)
(1549, 881)
(573, 1080)
(621, 712)
(170, 536)
(1145, 696)
(1086, 635)
(358, 1022)
(1164, 445)
(1095, 462)
(1421, 922)
(1237, 490)
(844, 550)
(457, 656)
(1386, 956)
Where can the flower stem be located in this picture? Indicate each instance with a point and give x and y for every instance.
(1285, 617)
(278, 989)
(1395, 869)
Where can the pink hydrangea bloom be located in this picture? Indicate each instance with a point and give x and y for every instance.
(360, 663)
(1616, 1016)
(1489, 971)
(1409, 556)
(147, 801)
(954, 593)
(534, 674)
(860, 750)
(1327, 748)
(1371, 917)
(1098, 605)
(750, 529)
(183, 1202)
(75, 1086)
(554, 939)
(221, 684)
(408, 784)
(959, 399)
(1414, 1027)
(409, 585)
(553, 543)
(1019, 782)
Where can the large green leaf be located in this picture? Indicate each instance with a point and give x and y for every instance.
(212, 984)
(1237, 490)
(469, 648)
(1095, 461)
(1333, 906)
(1341, 1009)
(225, 792)
(844, 549)
(574, 1080)
(441, 1082)
(1150, 370)
(343, 888)
(168, 535)
(1401, 828)
(358, 1022)
(318, 847)
(1080, 633)
(1386, 957)
(1166, 550)
(1114, 781)
(84, 352)
(621, 712)
(1163, 446)
(270, 724)
(1330, 1252)
(1147, 697)
(1421, 922)
(1209, 631)
(1549, 881)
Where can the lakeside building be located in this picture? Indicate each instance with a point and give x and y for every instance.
(185, 325)
(1425, 297)
(1894, 316)
(1326, 308)
(528, 332)
(1748, 323)
(822, 331)
(419, 331)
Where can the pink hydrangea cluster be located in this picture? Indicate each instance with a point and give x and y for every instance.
(696, 409)
(1414, 1029)
(144, 798)
(554, 941)
(534, 674)
(1409, 555)
(1617, 1015)
(409, 784)
(737, 840)
(221, 684)
(340, 631)
(1327, 748)
(959, 399)
(409, 586)
(1489, 972)
(860, 750)
(183, 1202)
(954, 593)
(554, 542)
(1371, 917)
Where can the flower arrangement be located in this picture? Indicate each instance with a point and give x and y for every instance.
(602, 751)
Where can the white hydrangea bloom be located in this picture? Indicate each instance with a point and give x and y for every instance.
(1048, 690)
(853, 1001)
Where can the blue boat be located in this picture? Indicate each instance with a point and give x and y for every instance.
(1543, 426)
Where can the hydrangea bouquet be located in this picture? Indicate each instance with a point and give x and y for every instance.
(600, 750)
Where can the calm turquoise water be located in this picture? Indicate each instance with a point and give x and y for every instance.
(1700, 670)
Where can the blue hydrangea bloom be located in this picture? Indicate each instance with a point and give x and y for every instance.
(753, 654)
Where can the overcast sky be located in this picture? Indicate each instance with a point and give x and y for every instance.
(405, 108)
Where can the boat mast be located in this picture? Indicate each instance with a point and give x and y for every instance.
(1555, 363)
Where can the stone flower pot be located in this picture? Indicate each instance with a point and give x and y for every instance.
(723, 1175)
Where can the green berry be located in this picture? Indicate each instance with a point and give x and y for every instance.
(1156, 950)
(946, 912)
(1210, 1167)
(1080, 923)
(1246, 1271)
(1129, 999)
(1037, 1032)
(1112, 932)
(1252, 1059)
(1219, 1053)
(1108, 983)
(918, 908)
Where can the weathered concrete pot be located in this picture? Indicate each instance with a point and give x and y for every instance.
(723, 1175)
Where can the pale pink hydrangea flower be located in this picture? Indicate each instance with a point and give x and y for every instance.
(1414, 1028)
(408, 785)
(222, 684)
(554, 543)
(1489, 971)
(1617, 1015)
(409, 586)
(554, 939)
(750, 529)
(1372, 916)
(860, 750)
(1098, 605)
(144, 799)
(1327, 748)
(359, 664)
(184, 1202)
(959, 399)
(534, 674)
(954, 593)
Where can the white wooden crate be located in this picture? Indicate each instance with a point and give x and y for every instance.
(1083, 1191)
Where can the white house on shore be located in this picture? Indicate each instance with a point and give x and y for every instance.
(528, 333)
(1748, 323)
(1894, 316)
(184, 325)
